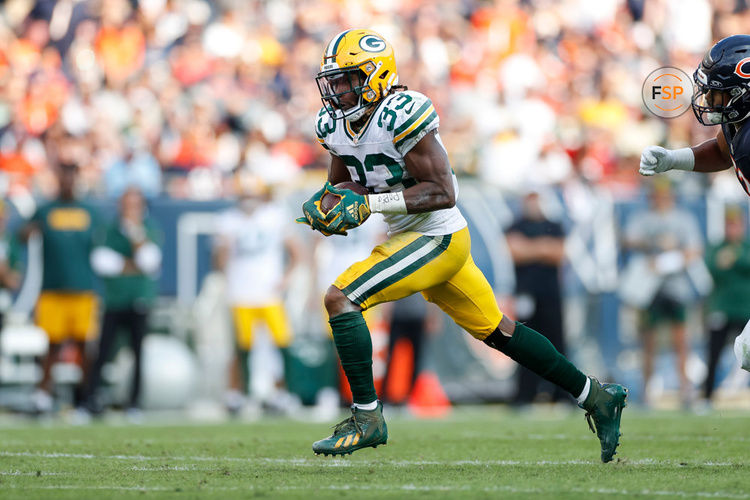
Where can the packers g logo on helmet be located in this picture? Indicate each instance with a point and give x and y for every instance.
(357, 61)
(372, 43)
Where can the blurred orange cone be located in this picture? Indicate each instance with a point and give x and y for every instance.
(428, 400)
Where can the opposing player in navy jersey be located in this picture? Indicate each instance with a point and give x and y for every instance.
(722, 97)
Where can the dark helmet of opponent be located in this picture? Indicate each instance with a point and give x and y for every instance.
(725, 68)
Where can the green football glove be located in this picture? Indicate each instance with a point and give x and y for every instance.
(314, 217)
(351, 211)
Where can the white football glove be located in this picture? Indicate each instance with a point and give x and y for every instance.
(656, 159)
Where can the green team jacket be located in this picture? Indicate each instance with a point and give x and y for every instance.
(731, 294)
(129, 290)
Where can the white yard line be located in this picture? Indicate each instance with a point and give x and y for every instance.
(169, 468)
(402, 488)
(31, 473)
(345, 462)
(85, 487)
(588, 436)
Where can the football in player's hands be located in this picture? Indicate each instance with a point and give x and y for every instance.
(329, 200)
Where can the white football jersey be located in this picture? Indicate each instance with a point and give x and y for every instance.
(375, 156)
(255, 266)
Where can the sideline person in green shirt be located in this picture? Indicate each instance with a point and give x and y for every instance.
(729, 304)
(10, 270)
(67, 305)
(128, 261)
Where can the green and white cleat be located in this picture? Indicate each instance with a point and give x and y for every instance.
(364, 428)
(604, 406)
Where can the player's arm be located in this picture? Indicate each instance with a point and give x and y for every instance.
(9, 275)
(337, 171)
(222, 243)
(31, 226)
(428, 163)
(25, 232)
(710, 156)
(221, 253)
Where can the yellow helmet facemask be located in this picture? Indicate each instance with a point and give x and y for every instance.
(360, 62)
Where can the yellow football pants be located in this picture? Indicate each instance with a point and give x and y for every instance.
(440, 267)
(273, 315)
(66, 315)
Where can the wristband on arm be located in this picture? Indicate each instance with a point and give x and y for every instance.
(683, 159)
(387, 203)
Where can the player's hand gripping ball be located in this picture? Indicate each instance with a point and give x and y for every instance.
(330, 200)
(347, 207)
(335, 209)
(311, 210)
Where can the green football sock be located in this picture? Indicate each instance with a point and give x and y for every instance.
(243, 359)
(534, 351)
(286, 358)
(354, 345)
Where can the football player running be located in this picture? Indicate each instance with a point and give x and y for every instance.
(385, 138)
(722, 97)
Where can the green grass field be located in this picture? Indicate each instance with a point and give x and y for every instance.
(476, 453)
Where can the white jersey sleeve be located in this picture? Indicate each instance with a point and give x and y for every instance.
(411, 116)
(324, 127)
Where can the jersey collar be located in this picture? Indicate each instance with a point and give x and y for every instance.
(355, 137)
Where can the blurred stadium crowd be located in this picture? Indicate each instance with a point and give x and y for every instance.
(177, 94)
(176, 97)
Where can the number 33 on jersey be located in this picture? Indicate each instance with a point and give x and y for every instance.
(375, 156)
